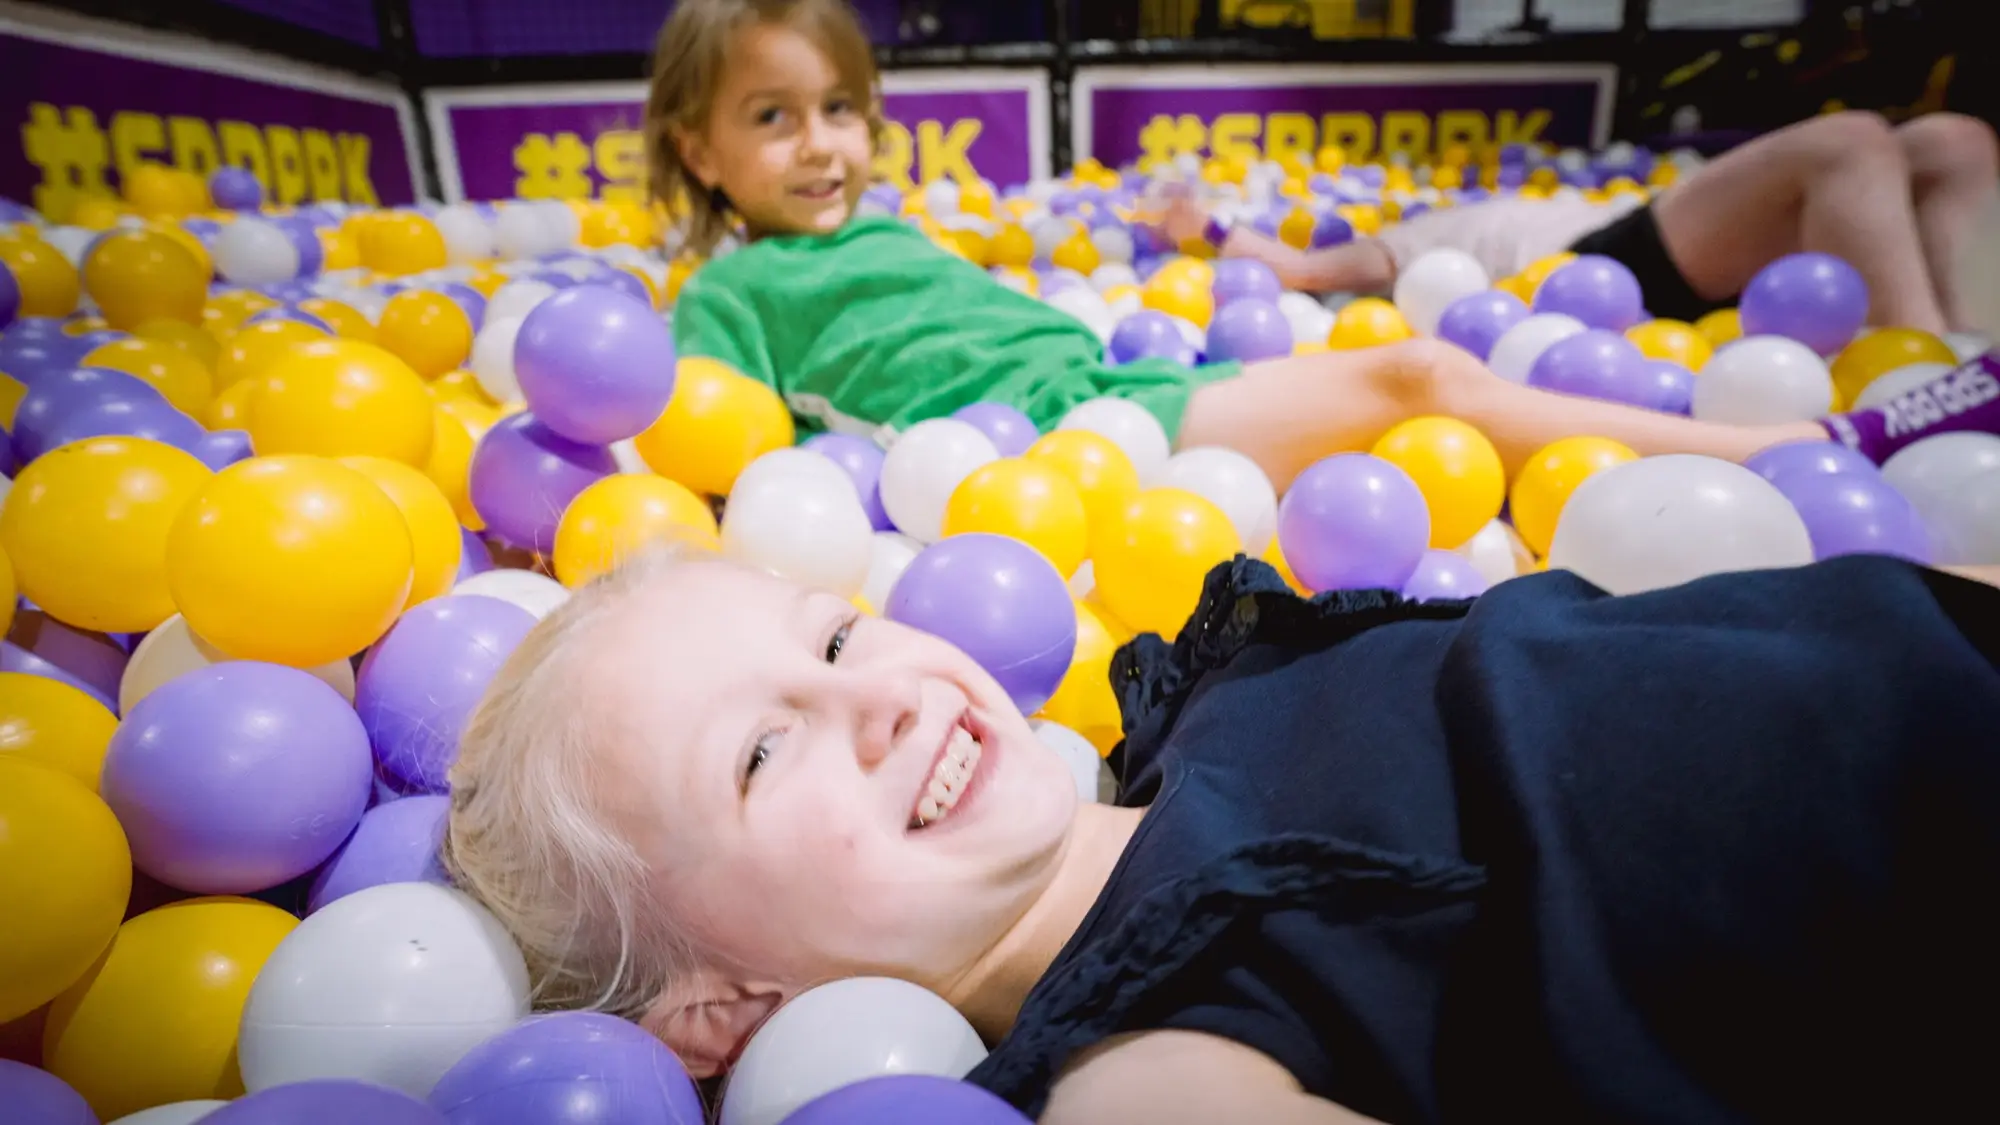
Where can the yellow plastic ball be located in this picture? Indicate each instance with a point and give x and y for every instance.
(1539, 270)
(290, 559)
(1084, 702)
(85, 324)
(1028, 499)
(1150, 558)
(157, 1021)
(225, 313)
(1882, 351)
(12, 391)
(1456, 468)
(1012, 246)
(1330, 160)
(1518, 286)
(678, 272)
(1275, 555)
(188, 242)
(9, 595)
(435, 544)
(450, 466)
(339, 250)
(50, 723)
(457, 386)
(478, 416)
(187, 337)
(96, 213)
(65, 875)
(168, 369)
(1180, 294)
(345, 320)
(341, 398)
(1200, 272)
(137, 275)
(976, 199)
(86, 528)
(620, 516)
(49, 285)
(230, 410)
(153, 191)
(1721, 327)
(1078, 253)
(400, 243)
(1117, 293)
(1296, 229)
(1548, 479)
(969, 244)
(1365, 218)
(1676, 340)
(426, 330)
(1367, 323)
(250, 351)
(718, 421)
(1104, 476)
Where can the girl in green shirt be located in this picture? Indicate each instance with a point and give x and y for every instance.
(765, 113)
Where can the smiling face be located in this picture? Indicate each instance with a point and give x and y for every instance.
(786, 138)
(817, 793)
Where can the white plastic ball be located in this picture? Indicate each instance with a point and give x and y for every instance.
(1084, 762)
(889, 555)
(802, 527)
(1965, 524)
(1428, 286)
(1661, 521)
(1017, 282)
(792, 461)
(1310, 321)
(520, 234)
(369, 305)
(941, 198)
(1967, 346)
(255, 252)
(468, 237)
(562, 223)
(1041, 191)
(1195, 335)
(172, 650)
(1895, 384)
(1088, 306)
(537, 593)
(492, 360)
(390, 985)
(1084, 582)
(73, 242)
(1497, 553)
(625, 454)
(174, 1113)
(1762, 380)
(1931, 473)
(1130, 426)
(1233, 483)
(1130, 304)
(1114, 244)
(517, 299)
(922, 469)
(1517, 349)
(841, 1033)
(1112, 274)
(1049, 233)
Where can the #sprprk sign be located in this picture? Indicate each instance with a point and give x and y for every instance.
(81, 104)
(585, 141)
(1151, 115)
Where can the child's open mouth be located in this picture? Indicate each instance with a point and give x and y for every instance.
(819, 191)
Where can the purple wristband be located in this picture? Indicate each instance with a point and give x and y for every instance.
(1967, 398)
(1215, 233)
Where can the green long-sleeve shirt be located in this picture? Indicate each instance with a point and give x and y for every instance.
(872, 328)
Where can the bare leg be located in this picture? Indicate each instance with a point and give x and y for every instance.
(1836, 184)
(1288, 413)
(1954, 173)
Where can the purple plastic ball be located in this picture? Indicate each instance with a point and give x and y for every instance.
(94, 658)
(337, 1101)
(862, 460)
(1011, 430)
(469, 300)
(220, 449)
(569, 1068)
(1595, 364)
(1476, 321)
(1331, 230)
(1857, 514)
(1149, 334)
(524, 475)
(1816, 299)
(1779, 463)
(1000, 601)
(595, 365)
(304, 238)
(1599, 291)
(33, 1096)
(1055, 279)
(623, 282)
(1239, 279)
(67, 406)
(10, 297)
(474, 557)
(235, 189)
(14, 658)
(420, 682)
(237, 777)
(396, 842)
(1354, 521)
(287, 312)
(1443, 576)
(1247, 330)
(907, 1099)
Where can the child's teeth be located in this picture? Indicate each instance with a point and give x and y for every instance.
(939, 792)
(928, 810)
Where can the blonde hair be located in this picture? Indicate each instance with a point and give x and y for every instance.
(687, 69)
(527, 838)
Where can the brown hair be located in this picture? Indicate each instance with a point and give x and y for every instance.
(687, 68)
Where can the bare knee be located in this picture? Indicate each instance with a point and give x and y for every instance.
(1839, 143)
(1951, 146)
(1426, 376)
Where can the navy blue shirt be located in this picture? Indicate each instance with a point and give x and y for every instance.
(1720, 853)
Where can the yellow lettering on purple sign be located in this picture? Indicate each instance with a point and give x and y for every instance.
(1361, 136)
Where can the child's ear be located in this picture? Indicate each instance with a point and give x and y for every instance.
(696, 157)
(708, 1022)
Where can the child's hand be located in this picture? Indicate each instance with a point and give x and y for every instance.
(1184, 220)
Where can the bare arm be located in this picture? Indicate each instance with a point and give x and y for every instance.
(1987, 574)
(1363, 266)
(1183, 1078)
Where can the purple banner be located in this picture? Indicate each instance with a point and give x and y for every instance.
(73, 119)
(568, 143)
(1147, 117)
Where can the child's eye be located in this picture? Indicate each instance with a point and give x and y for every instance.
(838, 641)
(839, 107)
(769, 116)
(760, 752)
